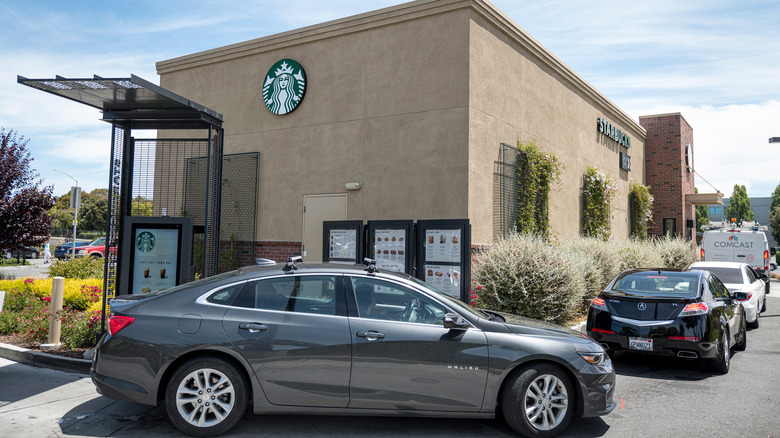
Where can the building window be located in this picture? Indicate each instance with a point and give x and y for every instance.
(670, 226)
(715, 210)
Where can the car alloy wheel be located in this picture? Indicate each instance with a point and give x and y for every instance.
(722, 363)
(206, 397)
(538, 402)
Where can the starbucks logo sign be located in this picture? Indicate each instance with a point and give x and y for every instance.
(284, 87)
(145, 241)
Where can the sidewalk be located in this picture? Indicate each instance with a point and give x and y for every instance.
(36, 269)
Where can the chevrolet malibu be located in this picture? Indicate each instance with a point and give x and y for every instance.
(334, 339)
(672, 312)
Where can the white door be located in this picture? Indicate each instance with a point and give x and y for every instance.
(316, 210)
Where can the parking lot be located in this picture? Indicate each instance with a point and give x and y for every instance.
(655, 397)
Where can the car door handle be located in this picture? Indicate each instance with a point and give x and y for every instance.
(253, 327)
(371, 336)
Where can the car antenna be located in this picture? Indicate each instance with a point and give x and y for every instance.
(291, 264)
(370, 265)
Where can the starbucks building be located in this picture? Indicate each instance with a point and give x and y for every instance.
(412, 112)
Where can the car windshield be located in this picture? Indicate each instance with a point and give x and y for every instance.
(726, 275)
(458, 305)
(657, 283)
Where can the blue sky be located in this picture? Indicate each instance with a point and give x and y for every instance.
(716, 62)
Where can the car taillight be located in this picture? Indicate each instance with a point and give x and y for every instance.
(598, 330)
(117, 323)
(766, 255)
(749, 295)
(694, 309)
(598, 303)
(702, 254)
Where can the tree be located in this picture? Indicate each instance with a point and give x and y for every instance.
(24, 209)
(92, 213)
(739, 205)
(774, 223)
(775, 199)
(774, 214)
(702, 214)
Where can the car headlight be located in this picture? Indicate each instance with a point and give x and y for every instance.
(594, 358)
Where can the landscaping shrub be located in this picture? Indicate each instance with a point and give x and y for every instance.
(675, 252)
(79, 329)
(527, 275)
(78, 267)
(638, 254)
(601, 263)
(26, 310)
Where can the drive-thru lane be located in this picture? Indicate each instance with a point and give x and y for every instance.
(655, 396)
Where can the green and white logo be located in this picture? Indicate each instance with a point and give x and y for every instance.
(145, 241)
(284, 87)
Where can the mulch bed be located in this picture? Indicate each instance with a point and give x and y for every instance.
(18, 341)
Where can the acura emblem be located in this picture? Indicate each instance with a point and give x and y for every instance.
(641, 306)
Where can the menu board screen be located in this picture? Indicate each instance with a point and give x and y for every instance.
(390, 249)
(156, 256)
(443, 245)
(342, 244)
(445, 278)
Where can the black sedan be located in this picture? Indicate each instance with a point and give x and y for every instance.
(66, 249)
(683, 313)
(28, 252)
(331, 339)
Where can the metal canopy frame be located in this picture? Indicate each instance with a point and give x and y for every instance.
(134, 103)
(131, 103)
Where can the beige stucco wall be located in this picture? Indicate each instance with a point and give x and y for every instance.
(519, 92)
(413, 101)
(385, 106)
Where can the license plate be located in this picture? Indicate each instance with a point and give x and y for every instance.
(642, 344)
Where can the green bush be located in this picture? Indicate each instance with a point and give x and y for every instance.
(675, 252)
(527, 275)
(79, 329)
(601, 263)
(78, 267)
(33, 323)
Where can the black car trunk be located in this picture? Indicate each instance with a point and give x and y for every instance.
(645, 308)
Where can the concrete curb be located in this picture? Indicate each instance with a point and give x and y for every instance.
(44, 360)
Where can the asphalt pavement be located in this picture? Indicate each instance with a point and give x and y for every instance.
(43, 395)
(36, 269)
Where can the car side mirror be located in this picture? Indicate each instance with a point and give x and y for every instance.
(455, 321)
(740, 296)
(763, 276)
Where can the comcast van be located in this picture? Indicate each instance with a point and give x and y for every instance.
(743, 243)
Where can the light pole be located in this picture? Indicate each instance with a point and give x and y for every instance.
(75, 199)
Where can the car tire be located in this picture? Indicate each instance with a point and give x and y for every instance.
(723, 362)
(33, 255)
(763, 306)
(755, 324)
(539, 401)
(192, 409)
(741, 340)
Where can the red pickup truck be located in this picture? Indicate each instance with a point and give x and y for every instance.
(96, 249)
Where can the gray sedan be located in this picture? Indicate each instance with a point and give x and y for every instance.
(332, 339)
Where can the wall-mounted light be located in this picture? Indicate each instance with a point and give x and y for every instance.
(353, 185)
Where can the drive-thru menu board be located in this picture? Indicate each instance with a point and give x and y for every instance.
(391, 244)
(445, 261)
(343, 241)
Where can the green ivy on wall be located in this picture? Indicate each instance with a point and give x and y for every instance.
(536, 172)
(641, 205)
(597, 192)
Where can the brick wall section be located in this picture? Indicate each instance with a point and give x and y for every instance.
(666, 172)
(273, 250)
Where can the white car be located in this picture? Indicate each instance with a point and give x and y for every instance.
(740, 277)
